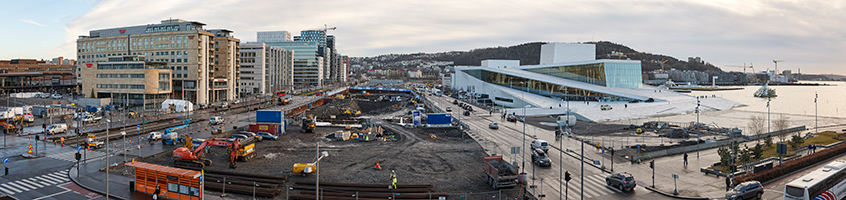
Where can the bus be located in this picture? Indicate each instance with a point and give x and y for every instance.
(826, 183)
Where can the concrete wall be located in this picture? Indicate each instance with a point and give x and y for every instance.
(500, 63)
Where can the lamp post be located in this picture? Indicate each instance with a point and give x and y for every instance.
(768, 114)
(317, 171)
(108, 122)
(523, 153)
(697, 126)
(816, 117)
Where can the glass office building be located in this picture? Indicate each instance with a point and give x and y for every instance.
(543, 88)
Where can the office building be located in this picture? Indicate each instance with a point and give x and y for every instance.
(204, 63)
(128, 80)
(308, 67)
(36, 75)
(273, 36)
(265, 69)
(320, 38)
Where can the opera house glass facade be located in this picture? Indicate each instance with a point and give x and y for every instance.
(608, 74)
(550, 89)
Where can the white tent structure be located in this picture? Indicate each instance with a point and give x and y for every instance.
(179, 105)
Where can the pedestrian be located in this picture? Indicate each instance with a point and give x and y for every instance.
(393, 180)
(685, 158)
(625, 105)
(491, 112)
(156, 193)
(728, 183)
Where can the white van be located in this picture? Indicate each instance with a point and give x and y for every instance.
(154, 136)
(57, 128)
(215, 120)
(540, 144)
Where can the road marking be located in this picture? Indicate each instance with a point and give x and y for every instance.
(30, 183)
(5, 186)
(51, 182)
(48, 196)
(20, 187)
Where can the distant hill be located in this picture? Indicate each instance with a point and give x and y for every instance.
(529, 54)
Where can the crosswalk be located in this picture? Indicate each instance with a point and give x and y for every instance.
(595, 186)
(33, 183)
(70, 156)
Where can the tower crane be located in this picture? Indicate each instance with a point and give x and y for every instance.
(662, 65)
(744, 67)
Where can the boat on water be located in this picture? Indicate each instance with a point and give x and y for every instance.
(765, 91)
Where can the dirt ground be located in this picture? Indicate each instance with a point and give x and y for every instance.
(452, 162)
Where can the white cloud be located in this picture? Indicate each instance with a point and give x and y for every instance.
(805, 33)
(32, 22)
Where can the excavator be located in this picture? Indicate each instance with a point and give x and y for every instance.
(238, 150)
(309, 124)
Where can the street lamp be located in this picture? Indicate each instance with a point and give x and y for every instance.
(816, 117)
(108, 122)
(768, 114)
(696, 126)
(317, 172)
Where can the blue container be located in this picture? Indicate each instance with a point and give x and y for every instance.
(269, 116)
(439, 118)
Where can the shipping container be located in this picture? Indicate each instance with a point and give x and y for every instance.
(269, 116)
(439, 118)
(272, 128)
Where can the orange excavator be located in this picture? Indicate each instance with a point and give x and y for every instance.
(238, 149)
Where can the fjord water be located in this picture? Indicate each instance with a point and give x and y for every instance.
(796, 100)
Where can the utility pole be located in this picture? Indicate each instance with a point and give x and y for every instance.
(816, 117)
(108, 126)
(696, 127)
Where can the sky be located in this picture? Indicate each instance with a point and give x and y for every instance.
(808, 35)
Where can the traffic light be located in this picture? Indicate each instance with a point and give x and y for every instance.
(7, 170)
(78, 156)
(567, 176)
(37, 137)
(652, 164)
(44, 126)
(733, 168)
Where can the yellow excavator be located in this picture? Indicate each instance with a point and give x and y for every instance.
(309, 124)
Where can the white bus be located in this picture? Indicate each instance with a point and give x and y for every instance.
(826, 183)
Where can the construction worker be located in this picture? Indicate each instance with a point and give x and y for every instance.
(156, 193)
(393, 180)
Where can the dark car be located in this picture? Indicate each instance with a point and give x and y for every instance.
(746, 190)
(466, 113)
(540, 158)
(448, 109)
(623, 181)
(454, 101)
(493, 125)
(266, 135)
(511, 118)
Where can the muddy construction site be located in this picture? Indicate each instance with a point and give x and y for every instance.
(449, 163)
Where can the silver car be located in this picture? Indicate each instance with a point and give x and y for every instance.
(746, 190)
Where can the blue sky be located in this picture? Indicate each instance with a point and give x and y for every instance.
(807, 34)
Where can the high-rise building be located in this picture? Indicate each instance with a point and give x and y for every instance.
(308, 67)
(204, 63)
(320, 38)
(265, 69)
(273, 36)
(128, 80)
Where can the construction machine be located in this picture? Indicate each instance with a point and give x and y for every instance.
(309, 124)
(238, 149)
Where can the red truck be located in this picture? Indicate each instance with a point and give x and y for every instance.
(500, 174)
(273, 129)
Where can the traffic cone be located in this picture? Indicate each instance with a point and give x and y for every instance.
(378, 167)
(115, 145)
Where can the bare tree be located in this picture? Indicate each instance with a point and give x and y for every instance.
(780, 124)
(756, 126)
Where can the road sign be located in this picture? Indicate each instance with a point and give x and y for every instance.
(79, 148)
(596, 162)
(30, 151)
(515, 150)
(30, 146)
(138, 127)
(675, 176)
(5, 160)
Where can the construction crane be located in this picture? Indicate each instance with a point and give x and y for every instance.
(744, 67)
(776, 65)
(662, 65)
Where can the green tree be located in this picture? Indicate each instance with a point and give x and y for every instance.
(725, 156)
(746, 154)
(757, 151)
(797, 141)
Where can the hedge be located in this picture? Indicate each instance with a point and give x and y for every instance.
(793, 165)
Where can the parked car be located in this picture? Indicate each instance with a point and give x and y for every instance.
(454, 101)
(56, 96)
(466, 113)
(250, 134)
(540, 158)
(605, 107)
(448, 109)
(154, 136)
(540, 144)
(746, 190)
(237, 136)
(623, 181)
(266, 135)
(493, 125)
(57, 128)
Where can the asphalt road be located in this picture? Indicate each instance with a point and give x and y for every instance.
(499, 141)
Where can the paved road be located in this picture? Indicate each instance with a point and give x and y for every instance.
(510, 135)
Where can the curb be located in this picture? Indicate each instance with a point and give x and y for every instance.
(674, 196)
(89, 188)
